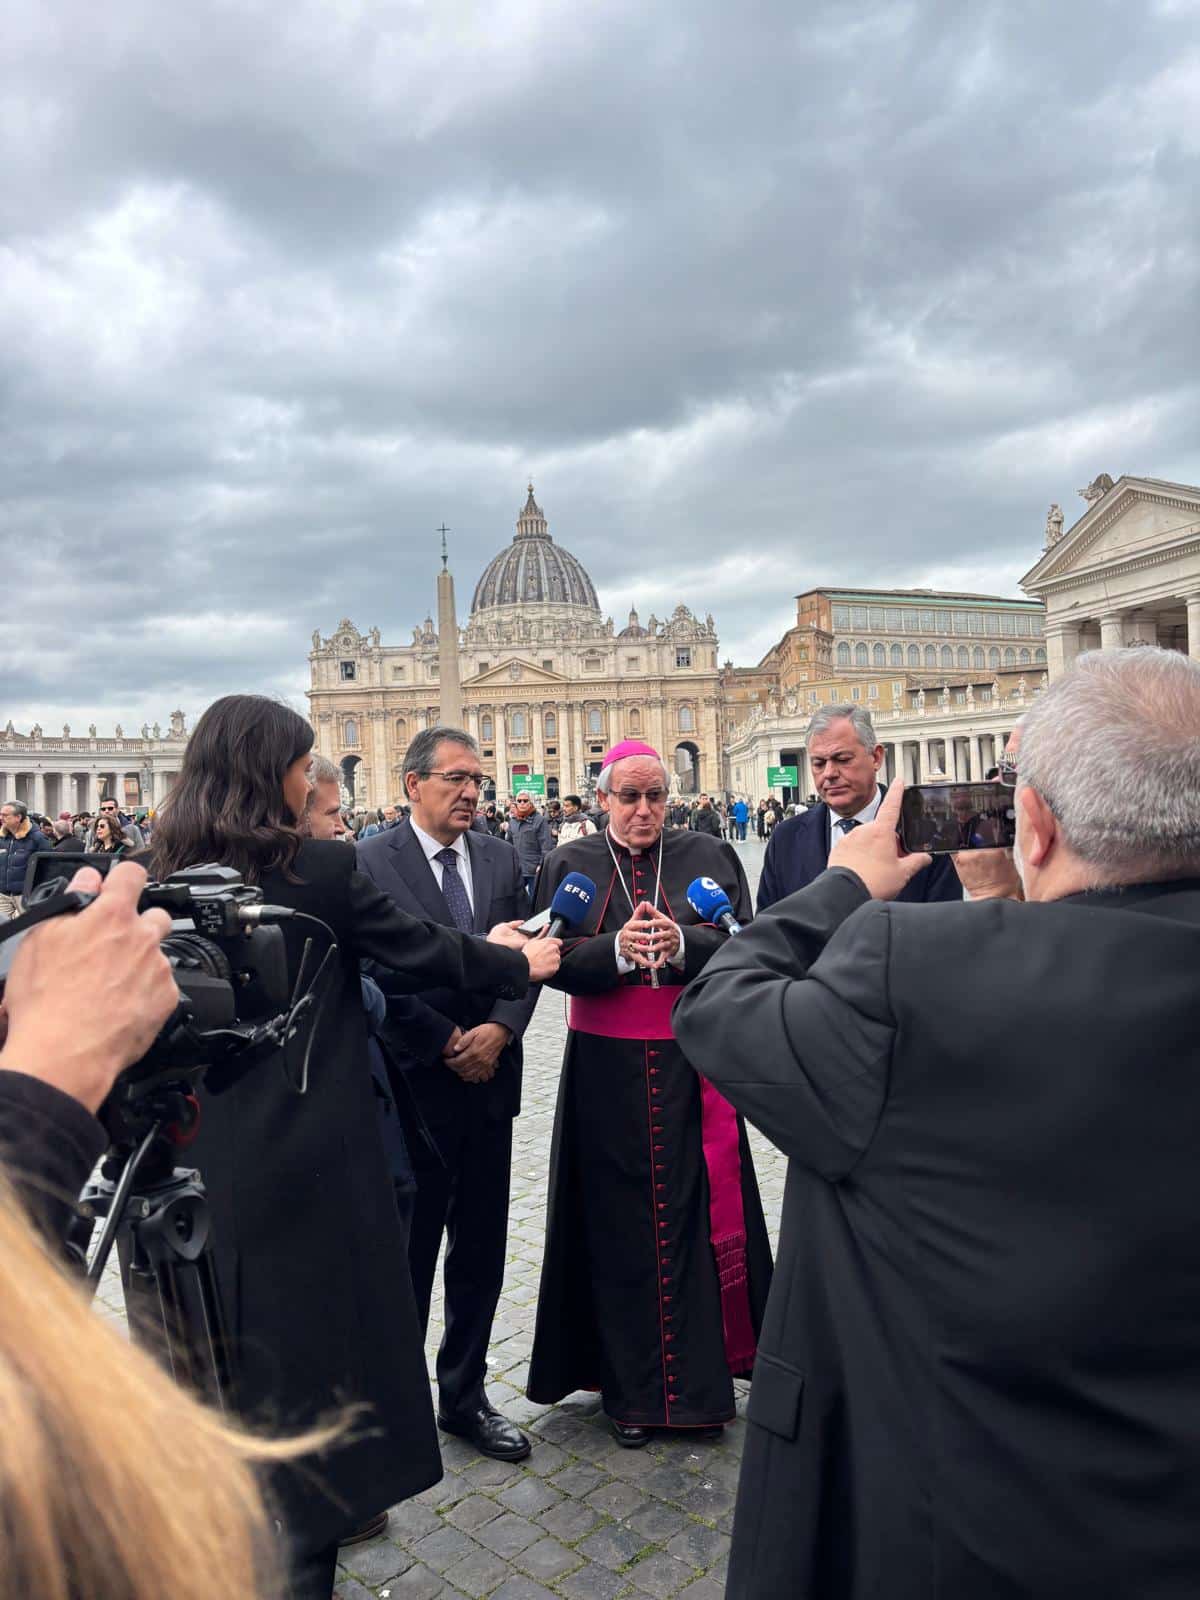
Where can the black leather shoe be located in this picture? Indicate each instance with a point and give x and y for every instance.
(626, 1434)
(489, 1432)
(369, 1530)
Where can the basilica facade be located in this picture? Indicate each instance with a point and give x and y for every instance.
(540, 678)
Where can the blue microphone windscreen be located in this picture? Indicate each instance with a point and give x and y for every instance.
(707, 899)
(573, 899)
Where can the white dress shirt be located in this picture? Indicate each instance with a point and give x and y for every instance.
(867, 814)
(431, 846)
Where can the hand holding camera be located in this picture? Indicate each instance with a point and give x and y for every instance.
(86, 995)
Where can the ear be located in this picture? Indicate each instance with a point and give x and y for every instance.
(1041, 827)
(603, 799)
(877, 756)
(410, 782)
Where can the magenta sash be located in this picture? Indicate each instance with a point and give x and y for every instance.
(638, 1011)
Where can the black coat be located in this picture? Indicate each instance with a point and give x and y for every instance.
(418, 1026)
(798, 852)
(311, 1260)
(49, 1144)
(979, 1375)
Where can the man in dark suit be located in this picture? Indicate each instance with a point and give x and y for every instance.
(845, 757)
(462, 1057)
(979, 1374)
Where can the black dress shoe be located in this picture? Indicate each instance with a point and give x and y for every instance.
(628, 1435)
(369, 1530)
(490, 1433)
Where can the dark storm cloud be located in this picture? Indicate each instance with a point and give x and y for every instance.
(761, 298)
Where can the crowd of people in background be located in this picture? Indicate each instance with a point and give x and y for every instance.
(533, 826)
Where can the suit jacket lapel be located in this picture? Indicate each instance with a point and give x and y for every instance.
(815, 841)
(413, 870)
(481, 879)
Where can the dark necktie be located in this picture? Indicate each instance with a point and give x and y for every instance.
(846, 823)
(454, 891)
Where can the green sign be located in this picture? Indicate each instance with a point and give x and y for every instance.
(535, 782)
(780, 777)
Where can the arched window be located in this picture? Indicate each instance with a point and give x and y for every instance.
(486, 727)
(993, 657)
(1040, 657)
(400, 731)
(1010, 657)
(349, 731)
(880, 655)
(964, 656)
(914, 655)
(635, 720)
(687, 719)
(520, 726)
(897, 655)
(977, 656)
(862, 656)
(947, 656)
(595, 721)
(1025, 658)
(551, 725)
(843, 655)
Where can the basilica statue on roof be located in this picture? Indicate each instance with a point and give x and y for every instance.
(544, 682)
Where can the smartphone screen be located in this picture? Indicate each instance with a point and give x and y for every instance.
(940, 817)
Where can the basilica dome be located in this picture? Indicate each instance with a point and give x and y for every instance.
(533, 570)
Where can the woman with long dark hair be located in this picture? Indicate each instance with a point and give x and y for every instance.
(310, 1257)
(110, 838)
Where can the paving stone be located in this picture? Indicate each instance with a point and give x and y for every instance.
(376, 1562)
(612, 1546)
(473, 1512)
(442, 1549)
(618, 1500)
(478, 1573)
(657, 1520)
(703, 1589)
(410, 1520)
(706, 1499)
(529, 1496)
(350, 1589)
(418, 1583)
(521, 1588)
(570, 1520)
(486, 1473)
(699, 1546)
(660, 1575)
(593, 1583)
(508, 1535)
(548, 1559)
(579, 1479)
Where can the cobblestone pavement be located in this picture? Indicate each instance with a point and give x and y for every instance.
(581, 1518)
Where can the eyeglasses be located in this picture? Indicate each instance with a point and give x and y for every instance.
(630, 797)
(1006, 773)
(459, 780)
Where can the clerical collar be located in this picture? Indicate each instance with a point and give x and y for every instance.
(628, 848)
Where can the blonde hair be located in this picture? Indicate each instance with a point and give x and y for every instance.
(114, 1483)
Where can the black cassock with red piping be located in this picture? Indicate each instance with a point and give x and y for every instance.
(657, 1260)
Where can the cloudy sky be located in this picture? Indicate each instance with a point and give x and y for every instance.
(762, 296)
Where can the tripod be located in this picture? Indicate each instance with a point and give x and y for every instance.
(157, 1214)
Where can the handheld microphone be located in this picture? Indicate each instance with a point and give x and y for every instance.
(571, 904)
(711, 904)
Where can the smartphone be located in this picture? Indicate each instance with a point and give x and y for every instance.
(941, 817)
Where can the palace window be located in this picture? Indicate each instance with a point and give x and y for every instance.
(687, 720)
(872, 691)
(893, 617)
(914, 655)
(400, 730)
(964, 656)
(635, 720)
(897, 691)
(843, 654)
(862, 656)
(348, 670)
(349, 731)
(880, 655)
(595, 721)
(1008, 624)
(859, 613)
(897, 655)
(485, 727)
(520, 725)
(1040, 656)
(1024, 627)
(930, 656)
(947, 656)
(433, 669)
(1010, 657)
(683, 655)
(547, 666)
(633, 663)
(977, 656)
(551, 725)
(876, 614)
(841, 617)
(856, 692)
(991, 623)
(1025, 658)
(483, 666)
(993, 657)
(977, 622)
(397, 674)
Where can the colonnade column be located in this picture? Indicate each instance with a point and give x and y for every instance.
(1193, 626)
(502, 779)
(1062, 646)
(1112, 635)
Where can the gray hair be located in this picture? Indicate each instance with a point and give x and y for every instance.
(1113, 748)
(18, 806)
(324, 771)
(420, 754)
(864, 728)
(604, 781)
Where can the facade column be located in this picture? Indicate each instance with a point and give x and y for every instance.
(39, 793)
(1062, 646)
(1193, 626)
(923, 763)
(537, 737)
(500, 713)
(1112, 630)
